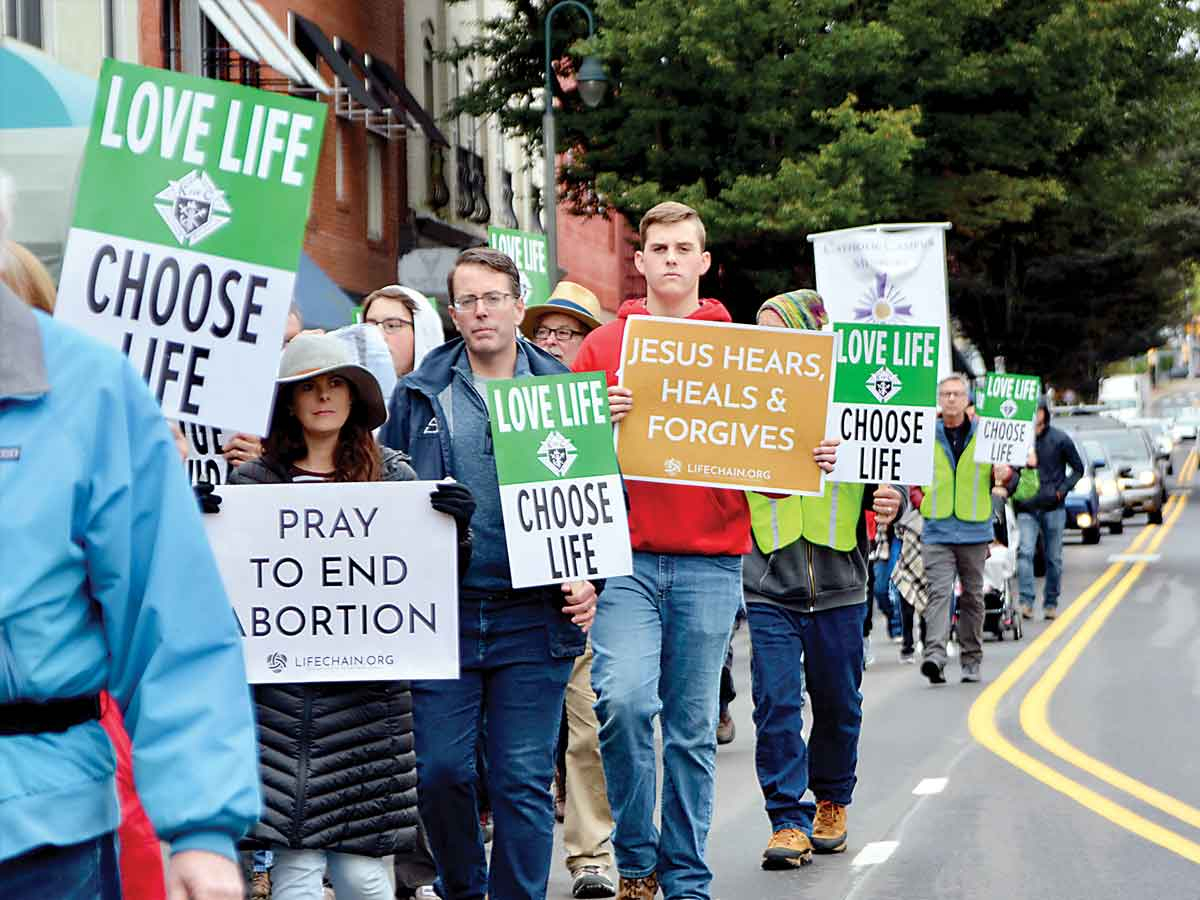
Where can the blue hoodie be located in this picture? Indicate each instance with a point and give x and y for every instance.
(107, 582)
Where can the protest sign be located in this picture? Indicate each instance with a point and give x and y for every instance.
(722, 405)
(339, 582)
(886, 275)
(188, 226)
(560, 489)
(885, 404)
(205, 462)
(1007, 407)
(528, 251)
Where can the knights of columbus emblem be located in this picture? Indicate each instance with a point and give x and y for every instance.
(884, 384)
(193, 207)
(557, 453)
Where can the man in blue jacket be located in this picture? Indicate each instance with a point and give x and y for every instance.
(107, 582)
(1046, 513)
(517, 647)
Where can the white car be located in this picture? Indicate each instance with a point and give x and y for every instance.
(1186, 424)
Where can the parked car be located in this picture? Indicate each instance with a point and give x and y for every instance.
(1106, 484)
(1162, 437)
(1187, 423)
(1139, 474)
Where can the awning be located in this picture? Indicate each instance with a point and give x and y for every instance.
(404, 100)
(253, 34)
(322, 303)
(37, 92)
(312, 43)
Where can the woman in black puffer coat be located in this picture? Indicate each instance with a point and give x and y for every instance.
(337, 761)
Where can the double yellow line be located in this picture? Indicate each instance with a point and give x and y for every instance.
(1033, 714)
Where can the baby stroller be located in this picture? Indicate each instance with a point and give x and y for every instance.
(1000, 615)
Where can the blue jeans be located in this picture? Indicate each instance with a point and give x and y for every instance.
(515, 661)
(1051, 523)
(85, 871)
(792, 650)
(886, 597)
(659, 640)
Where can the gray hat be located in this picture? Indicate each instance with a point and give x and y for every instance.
(310, 355)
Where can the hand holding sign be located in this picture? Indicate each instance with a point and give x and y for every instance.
(825, 454)
(620, 402)
(886, 504)
(580, 603)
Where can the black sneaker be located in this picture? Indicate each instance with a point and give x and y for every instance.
(933, 672)
(592, 881)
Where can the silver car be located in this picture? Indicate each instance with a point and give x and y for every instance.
(1104, 481)
(1138, 472)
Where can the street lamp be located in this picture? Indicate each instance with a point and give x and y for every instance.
(591, 81)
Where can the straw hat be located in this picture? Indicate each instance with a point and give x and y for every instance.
(570, 299)
(310, 355)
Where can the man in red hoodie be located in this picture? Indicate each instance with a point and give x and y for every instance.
(660, 634)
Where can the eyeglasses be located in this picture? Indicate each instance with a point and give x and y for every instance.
(391, 326)
(491, 300)
(952, 393)
(563, 334)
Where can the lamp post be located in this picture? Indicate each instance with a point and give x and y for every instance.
(592, 82)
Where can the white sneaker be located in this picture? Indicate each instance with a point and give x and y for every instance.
(868, 656)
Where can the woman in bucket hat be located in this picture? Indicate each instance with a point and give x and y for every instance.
(338, 768)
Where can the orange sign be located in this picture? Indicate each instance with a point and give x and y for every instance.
(722, 405)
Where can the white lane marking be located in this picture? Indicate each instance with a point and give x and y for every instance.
(874, 853)
(930, 786)
(1135, 557)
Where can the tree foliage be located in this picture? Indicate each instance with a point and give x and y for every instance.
(1054, 134)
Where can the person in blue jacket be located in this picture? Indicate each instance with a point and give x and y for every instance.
(107, 582)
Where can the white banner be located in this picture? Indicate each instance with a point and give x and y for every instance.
(205, 461)
(886, 275)
(339, 582)
(205, 332)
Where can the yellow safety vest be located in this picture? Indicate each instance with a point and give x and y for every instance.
(965, 492)
(830, 520)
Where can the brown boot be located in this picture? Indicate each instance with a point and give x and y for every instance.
(829, 827)
(639, 888)
(260, 886)
(789, 849)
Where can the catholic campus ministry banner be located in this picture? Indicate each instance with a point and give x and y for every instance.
(722, 405)
(188, 227)
(1007, 408)
(885, 403)
(528, 251)
(339, 582)
(560, 489)
(886, 275)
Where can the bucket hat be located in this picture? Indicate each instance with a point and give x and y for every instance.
(570, 299)
(310, 355)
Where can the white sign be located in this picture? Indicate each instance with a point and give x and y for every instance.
(340, 582)
(205, 461)
(886, 275)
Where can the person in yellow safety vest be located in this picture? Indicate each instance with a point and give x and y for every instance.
(957, 508)
(805, 586)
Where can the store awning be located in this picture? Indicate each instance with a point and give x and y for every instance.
(37, 92)
(312, 43)
(322, 303)
(253, 34)
(404, 101)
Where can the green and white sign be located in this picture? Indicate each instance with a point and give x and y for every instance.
(560, 488)
(528, 251)
(188, 227)
(884, 406)
(1007, 407)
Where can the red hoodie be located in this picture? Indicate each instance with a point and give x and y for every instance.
(671, 518)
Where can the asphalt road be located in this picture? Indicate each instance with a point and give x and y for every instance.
(1072, 771)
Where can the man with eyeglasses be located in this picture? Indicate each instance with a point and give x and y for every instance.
(409, 323)
(957, 508)
(560, 324)
(516, 647)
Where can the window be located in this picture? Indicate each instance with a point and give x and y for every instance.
(23, 20)
(374, 188)
(110, 28)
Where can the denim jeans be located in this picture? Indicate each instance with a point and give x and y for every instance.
(822, 651)
(659, 640)
(886, 597)
(84, 871)
(297, 875)
(515, 662)
(1051, 523)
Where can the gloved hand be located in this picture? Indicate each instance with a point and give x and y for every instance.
(454, 499)
(207, 497)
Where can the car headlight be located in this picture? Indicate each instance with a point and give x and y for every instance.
(1083, 486)
(1147, 478)
(1107, 487)
(1083, 520)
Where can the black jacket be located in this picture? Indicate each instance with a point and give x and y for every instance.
(1055, 452)
(338, 766)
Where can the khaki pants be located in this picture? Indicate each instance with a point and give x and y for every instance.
(588, 822)
(942, 563)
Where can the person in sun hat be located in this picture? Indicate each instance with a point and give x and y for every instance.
(325, 410)
(560, 324)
